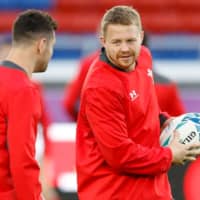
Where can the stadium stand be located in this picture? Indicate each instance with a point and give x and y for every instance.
(80, 18)
(161, 16)
(10, 5)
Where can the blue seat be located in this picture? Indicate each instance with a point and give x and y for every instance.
(25, 4)
(37, 4)
(8, 4)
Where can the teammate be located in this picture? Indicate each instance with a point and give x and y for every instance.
(166, 91)
(72, 91)
(33, 38)
(118, 128)
(44, 123)
(5, 46)
(168, 95)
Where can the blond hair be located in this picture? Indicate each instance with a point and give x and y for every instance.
(124, 15)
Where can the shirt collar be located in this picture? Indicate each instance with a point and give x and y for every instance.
(10, 64)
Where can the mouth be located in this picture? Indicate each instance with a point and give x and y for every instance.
(125, 58)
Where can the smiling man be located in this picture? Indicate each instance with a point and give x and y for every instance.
(119, 156)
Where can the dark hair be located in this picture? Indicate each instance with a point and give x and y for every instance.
(124, 15)
(31, 24)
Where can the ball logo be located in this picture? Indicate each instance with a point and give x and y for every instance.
(189, 138)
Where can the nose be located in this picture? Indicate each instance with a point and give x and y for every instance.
(124, 46)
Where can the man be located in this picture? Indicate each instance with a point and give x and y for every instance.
(33, 38)
(5, 46)
(118, 151)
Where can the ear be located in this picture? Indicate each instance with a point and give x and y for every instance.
(41, 45)
(102, 40)
(142, 36)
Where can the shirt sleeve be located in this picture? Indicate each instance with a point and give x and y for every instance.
(23, 115)
(177, 107)
(106, 116)
(72, 93)
(73, 90)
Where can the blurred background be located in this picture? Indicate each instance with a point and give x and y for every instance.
(173, 29)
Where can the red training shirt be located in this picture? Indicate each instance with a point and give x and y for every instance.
(20, 111)
(73, 90)
(168, 95)
(118, 152)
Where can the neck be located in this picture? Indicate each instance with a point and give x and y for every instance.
(23, 58)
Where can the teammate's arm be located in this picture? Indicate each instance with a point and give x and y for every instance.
(22, 128)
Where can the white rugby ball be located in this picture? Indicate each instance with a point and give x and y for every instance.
(188, 126)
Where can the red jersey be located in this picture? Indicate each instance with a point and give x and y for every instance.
(118, 152)
(20, 110)
(168, 95)
(72, 93)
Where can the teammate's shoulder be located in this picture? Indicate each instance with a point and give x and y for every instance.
(145, 51)
(89, 58)
(144, 58)
(161, 79)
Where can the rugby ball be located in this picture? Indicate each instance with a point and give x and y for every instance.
(188, 126)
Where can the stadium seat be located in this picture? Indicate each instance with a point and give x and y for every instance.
(162, 16)
(24, 4)
(192, 4)
(8, 5)
(7, 20)
(71, 5)
(37, 4)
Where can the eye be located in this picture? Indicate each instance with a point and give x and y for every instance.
(116, 42)
(131, 40)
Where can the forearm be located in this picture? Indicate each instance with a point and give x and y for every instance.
(133, 158)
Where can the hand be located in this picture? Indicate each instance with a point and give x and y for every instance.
(181, 152)
(166, 123)
(42, 197)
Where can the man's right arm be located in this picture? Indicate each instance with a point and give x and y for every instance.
(105, 113)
